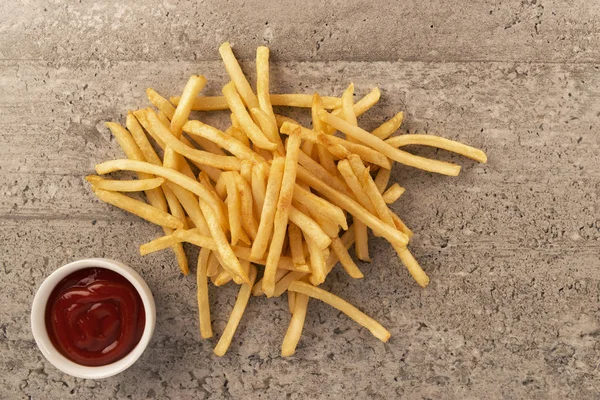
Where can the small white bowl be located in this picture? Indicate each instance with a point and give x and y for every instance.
(38, 320)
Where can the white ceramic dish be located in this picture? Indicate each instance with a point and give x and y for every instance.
(40, 334)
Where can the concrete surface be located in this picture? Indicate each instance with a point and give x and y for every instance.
(512, 247)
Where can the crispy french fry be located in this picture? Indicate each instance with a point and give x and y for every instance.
(202, 289)
(314, 202)
(259, 187)
(358, 212)
(330, 228)
(236, 314)
(291, 301)
(141, 140)
(344, 257)
(230, 262)
(282, 285)
(390, 126)
(229, 143)
(163, 118)
(318, 267)
(294, 331)
(295, 242)
(245, 193)
(281, 215)
(401, 226)
(413, 266)
(310, 227)
(331, 142)
(247, 124)
(265, 227)
(139, 208)
(268, 124)
(163, 242)
(213, 266)
(237, 76)
(440, 143)
(193, 86)
(325, 158)
(374, 142)
(364, 320)
(393, 193)
(257, 288)
(331, 179)
(234, 208)
(160, 102)
(124, 185)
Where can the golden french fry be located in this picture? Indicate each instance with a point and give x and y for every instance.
(140, 115)
(246, 171)
(393, 193)
(412, 265)
(310, 227)
(257, 288)
(281, 215)
(234, 208)
(205, 103)
(318, 267)
(330, 228)
(390, 126)
(325, 158)
(314, 202)
(141, 140)
(262, 81)
(265, 227)
(374, 142)
(161, 243)
(236, 133)
(401, 226)
(229, 143)
(193, 86)
(245, 194)
(348, 105)
(303, 101)
(364, 320)
(139, 208)
(317, 169)
(295, 242)
(440, 143)
(357, 211)
(202, 289)
(213, 268)
(332, 143)
(164, 119)
(282, 285)
(230, 262)
(160, 102)
(247, 124)
(237, 76)
(268, 125)
(200, 156)
(205, 144)
(344, 257)
(294, 331)
(124, 185)
(236, 314)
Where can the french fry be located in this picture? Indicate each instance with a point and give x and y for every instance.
(246, 171)
(310, 227)
(314, 202)
(139, 208)
(281, 215)
(160, 102)
(331, 179)
(200, 156)
(234, 208)
(236, 314)
(295, 242)
(282, 285)
(230, 262)
(202, 289)
(265, 226)
(250, 128)
(259, 188)
(382, 179)
(336, 302)
(291, 301)
(329, 141)
(330, 228)
(245, 193)
(257, 288)
(294, 331)
(193, 86)
(401, 226)
(346, 203)
(164, 119)
(213, 266)
(390, 126)
(124, 185)
(140, 138)
(317, 261)
(344, 257)
(236, 133)
(440, 143)
(237, 76)
(412, 266)
(268, 125)
(229, 143)
(374, 142)
(393, 193)
(325, 158)
(161, 243)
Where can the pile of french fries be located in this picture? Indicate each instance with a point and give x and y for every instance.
(273, 205)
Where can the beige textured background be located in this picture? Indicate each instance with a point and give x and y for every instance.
(512, 247)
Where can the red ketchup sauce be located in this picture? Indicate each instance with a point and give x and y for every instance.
(95, 317)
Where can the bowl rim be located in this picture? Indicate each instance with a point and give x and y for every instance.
(40, 333)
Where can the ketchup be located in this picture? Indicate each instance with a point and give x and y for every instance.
(95, 317)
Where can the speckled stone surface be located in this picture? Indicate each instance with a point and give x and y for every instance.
(512, 247)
